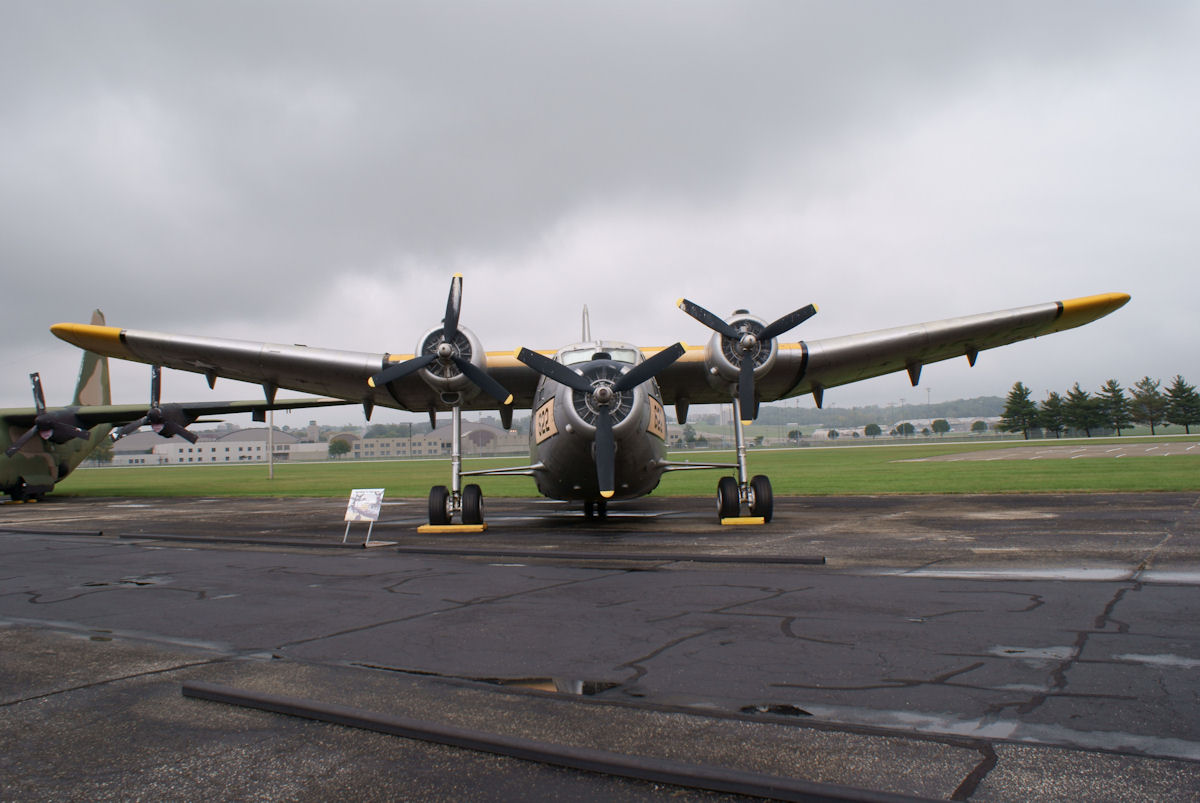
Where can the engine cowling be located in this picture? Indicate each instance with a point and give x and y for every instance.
(443, 374)
(724, 355)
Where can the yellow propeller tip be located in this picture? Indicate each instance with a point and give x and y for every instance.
(456, 276)
(371, 381)
(606, 494)
(679, 302)
(747, 423)
(509, 400)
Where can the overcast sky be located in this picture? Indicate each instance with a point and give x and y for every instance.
(315, 172)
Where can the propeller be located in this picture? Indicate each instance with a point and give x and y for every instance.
(744, 342)
(447, 351)
(59, 426)
(604, 395)
(166, 421)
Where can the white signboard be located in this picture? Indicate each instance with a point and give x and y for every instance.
(364, 504)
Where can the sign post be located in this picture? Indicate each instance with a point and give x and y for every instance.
(364, 506)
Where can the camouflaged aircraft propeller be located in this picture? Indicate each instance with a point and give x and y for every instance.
(58, 426)
(598, 428)
(167, 420)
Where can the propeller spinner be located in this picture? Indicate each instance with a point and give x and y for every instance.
(744, 342)
(603, 395)
(450, 349)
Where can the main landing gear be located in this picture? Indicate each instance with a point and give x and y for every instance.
(732, 494)
(445, 503)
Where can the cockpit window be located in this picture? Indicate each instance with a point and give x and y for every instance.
(587, 355)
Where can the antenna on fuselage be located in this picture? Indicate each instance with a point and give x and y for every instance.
(587, 326)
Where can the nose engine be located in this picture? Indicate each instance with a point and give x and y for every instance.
(584, 408)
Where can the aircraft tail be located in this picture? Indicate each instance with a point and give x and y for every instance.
(92, 386)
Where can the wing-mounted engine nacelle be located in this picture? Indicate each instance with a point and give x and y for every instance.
(444, 373)
(724, 354)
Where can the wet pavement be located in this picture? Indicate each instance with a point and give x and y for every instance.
(969, 647)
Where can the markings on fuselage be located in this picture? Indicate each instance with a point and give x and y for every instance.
(658, 419)
(543, 421)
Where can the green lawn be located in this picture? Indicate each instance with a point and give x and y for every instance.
(805, 471)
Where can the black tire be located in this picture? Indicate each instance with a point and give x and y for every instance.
(728, 504)
(472, 505)
(762, 500)
(602, 509)
(439, 505)
(589, 509)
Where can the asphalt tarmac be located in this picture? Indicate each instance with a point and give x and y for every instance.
(1015, 647)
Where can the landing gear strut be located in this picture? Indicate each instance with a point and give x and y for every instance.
(756, 493)
(445, 503)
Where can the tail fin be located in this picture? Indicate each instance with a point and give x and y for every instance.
(92, 387)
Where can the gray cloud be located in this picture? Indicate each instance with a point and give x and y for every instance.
(240, 169)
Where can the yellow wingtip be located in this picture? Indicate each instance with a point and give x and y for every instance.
(1078, 311)
(100, 339)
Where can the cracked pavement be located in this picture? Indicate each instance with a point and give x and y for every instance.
(977, 647)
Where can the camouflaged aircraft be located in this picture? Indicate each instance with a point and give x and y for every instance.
(42, 445)
(598, 430)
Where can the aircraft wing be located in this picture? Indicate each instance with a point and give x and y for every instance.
(812, 366)
(802, 367)
(91, 415)
(326, 372)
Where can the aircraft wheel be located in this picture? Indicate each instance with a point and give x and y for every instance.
(728, 504)
(602, 509)
(472, 505)
(762, 500)
(439, 505)
(589, 509)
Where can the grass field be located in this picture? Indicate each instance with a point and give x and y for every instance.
(806, 471)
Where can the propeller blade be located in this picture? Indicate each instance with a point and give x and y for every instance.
(21, 441)
(155, 385)
(399, 370)
(132, 427)
(483, 380)
(746, 390)
(170, 428)
(648, 368)
(554, 370)
(789, 321)
(453, 307)
(708, 319)
(61, 432)
(606, 453)
(39, 398)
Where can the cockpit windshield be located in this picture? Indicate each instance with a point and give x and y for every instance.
(574, 356)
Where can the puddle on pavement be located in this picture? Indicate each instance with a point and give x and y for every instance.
(572, 686)
(776, 709)
(128, 581)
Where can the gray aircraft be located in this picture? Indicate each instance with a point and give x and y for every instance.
(598, 430)
(42, 445)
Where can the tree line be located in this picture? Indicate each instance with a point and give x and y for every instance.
(1110, 409)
